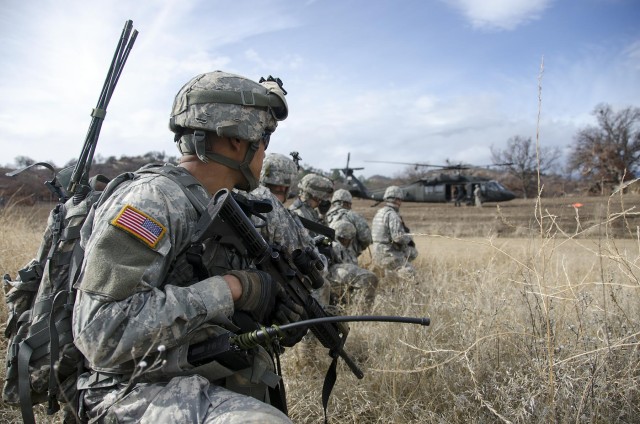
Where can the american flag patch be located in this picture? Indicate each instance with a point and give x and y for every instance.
(140, 225)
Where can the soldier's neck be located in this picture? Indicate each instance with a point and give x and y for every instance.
(213, 176)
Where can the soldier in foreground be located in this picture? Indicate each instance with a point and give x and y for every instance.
(341, 211)
(140, 304)
(393, 246)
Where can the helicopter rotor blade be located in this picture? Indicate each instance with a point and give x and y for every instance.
(407, 163)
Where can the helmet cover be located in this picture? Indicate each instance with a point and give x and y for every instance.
(278, 170)
(317, 186)
(344, 229)
(229, 105)
(341, 195)
(393, 192)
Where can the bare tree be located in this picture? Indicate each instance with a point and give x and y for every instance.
(606, 153)
(23, 161)
(522, 162)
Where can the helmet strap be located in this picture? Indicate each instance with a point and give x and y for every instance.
(196, 143)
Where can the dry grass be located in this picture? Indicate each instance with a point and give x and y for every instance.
(534, 319)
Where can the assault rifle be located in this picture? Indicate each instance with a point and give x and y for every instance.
(226, 222)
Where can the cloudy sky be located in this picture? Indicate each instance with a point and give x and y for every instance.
(403, 80)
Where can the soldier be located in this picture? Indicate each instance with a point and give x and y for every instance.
(315, 192)
(346, 277)
(282, 227)
(477, 195)
(393, 247)
(341, 211)
(139, 304)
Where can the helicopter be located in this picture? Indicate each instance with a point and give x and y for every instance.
(442, 188)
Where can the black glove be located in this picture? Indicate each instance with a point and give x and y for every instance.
(287, 311)
(258, 296)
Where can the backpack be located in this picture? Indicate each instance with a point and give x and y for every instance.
(42, 362)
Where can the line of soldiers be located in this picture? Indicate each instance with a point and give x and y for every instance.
(141, 304)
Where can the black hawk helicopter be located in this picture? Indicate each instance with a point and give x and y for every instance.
(448, 186)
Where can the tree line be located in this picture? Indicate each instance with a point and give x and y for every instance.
(601, 157)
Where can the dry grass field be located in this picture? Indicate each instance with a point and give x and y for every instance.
(534, 309)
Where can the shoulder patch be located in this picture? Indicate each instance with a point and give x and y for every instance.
(140, 225)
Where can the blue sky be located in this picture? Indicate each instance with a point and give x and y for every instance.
(412, 81)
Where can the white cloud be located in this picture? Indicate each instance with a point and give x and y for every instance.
(500, 14)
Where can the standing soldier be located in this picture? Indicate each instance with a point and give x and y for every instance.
(140, 303)
(393, 246)
(341, 211)
(477, 194)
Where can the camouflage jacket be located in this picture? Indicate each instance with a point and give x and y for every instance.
(281, 227)
(389, 229)
(304, 210)
(137, 291)
(363, 232)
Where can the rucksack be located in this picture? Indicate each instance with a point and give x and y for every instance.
(42, 363)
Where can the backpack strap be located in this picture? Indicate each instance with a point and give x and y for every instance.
(24, 383)
(187, 182)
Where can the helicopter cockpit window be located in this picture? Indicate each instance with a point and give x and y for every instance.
(495, 186)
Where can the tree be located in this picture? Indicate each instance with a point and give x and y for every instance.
(23, 161)
(610, 152)
(521, 160)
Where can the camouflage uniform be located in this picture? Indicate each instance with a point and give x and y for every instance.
(393, 247)
(363, 238)
(281, 226)
(318, 187)
(345, 275)
(302, 208)
(312, 186)
(139, 304)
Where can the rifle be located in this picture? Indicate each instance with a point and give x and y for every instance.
(226, 222)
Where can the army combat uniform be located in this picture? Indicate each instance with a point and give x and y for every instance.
(281, 226)
(363, 238)
(138, 299)
(347, 277)
(393, 247)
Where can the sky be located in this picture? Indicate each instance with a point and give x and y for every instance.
(418, 81)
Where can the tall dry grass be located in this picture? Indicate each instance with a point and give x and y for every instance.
(524, 330)
(534, 330)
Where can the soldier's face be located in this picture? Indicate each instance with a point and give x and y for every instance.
(279, 191)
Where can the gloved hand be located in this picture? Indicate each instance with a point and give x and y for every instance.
(258, 296)
(287, 311)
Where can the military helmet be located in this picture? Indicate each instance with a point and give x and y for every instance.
(393, 192)
(345, 229)
(278, 169)
(229, 105)
(316, 185)
(341, 195)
